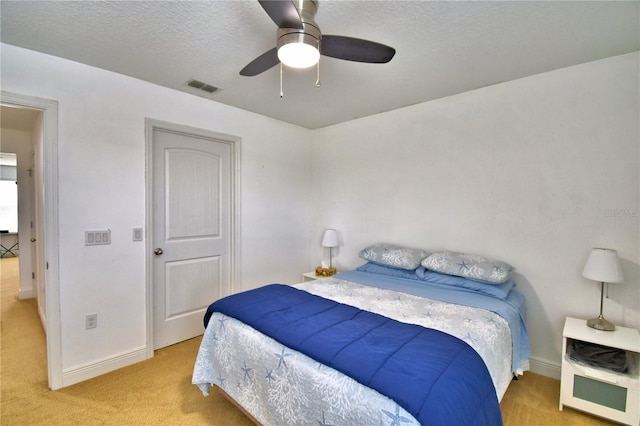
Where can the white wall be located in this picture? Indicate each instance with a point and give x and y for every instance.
(534, 172)
(101, 162)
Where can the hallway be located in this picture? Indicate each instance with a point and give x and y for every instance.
(26, 356)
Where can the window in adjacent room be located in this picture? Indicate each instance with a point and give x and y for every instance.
(8, 192)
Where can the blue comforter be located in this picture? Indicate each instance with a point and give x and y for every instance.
(436, 377)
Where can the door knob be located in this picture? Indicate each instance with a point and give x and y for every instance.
(158, 251)
(33, 240)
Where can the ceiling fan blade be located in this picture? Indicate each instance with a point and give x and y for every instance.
(355, 49)
(262, 63)
(283, 13)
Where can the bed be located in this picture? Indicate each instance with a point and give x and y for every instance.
(276, 384)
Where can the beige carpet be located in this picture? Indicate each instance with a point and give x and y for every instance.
(159, 391)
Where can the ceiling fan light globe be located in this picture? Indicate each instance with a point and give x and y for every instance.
(298, 55)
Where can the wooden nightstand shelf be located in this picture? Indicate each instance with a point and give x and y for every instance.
(600, 391)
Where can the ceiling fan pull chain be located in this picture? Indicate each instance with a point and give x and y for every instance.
(281, 92)
(318, 68)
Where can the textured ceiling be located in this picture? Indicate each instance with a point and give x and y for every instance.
(443, 48)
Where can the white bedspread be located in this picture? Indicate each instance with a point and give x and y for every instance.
(280, 386)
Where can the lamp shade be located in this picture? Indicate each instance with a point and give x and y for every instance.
(298, 55)
(603, 265)
(330, 238)
(299, 49)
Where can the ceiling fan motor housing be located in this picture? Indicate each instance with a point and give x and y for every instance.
(309, 34)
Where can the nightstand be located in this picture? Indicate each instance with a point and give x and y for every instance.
(600, 391)
(309, 276)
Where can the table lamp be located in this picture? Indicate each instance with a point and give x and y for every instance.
(602, 265)
(329, 239)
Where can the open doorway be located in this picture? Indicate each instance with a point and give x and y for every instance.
(21, 134)
(9, 244)
(29, 130)
(20, 178)
(8, 205)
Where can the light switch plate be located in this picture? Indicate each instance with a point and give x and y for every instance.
(137, 234)
(94, 238)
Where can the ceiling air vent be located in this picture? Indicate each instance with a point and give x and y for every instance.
(202, 86)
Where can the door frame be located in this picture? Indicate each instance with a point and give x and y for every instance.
(235, 144)
(49, 229)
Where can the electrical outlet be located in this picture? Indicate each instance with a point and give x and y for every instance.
(91, 321)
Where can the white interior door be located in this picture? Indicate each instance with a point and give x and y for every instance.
(191, 231)
(36, 245)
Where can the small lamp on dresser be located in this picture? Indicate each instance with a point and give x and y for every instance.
(602, 265)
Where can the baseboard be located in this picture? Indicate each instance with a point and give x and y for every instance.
(75, 375)
(26, 294)
(544, 367)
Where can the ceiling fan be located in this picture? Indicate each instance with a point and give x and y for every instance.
(300, 42)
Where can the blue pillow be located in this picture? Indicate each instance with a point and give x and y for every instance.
(496, 290)
(392, 255)
(374, 268)
(469, 266)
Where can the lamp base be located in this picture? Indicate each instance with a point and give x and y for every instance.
(325, 272)
(601, 324)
